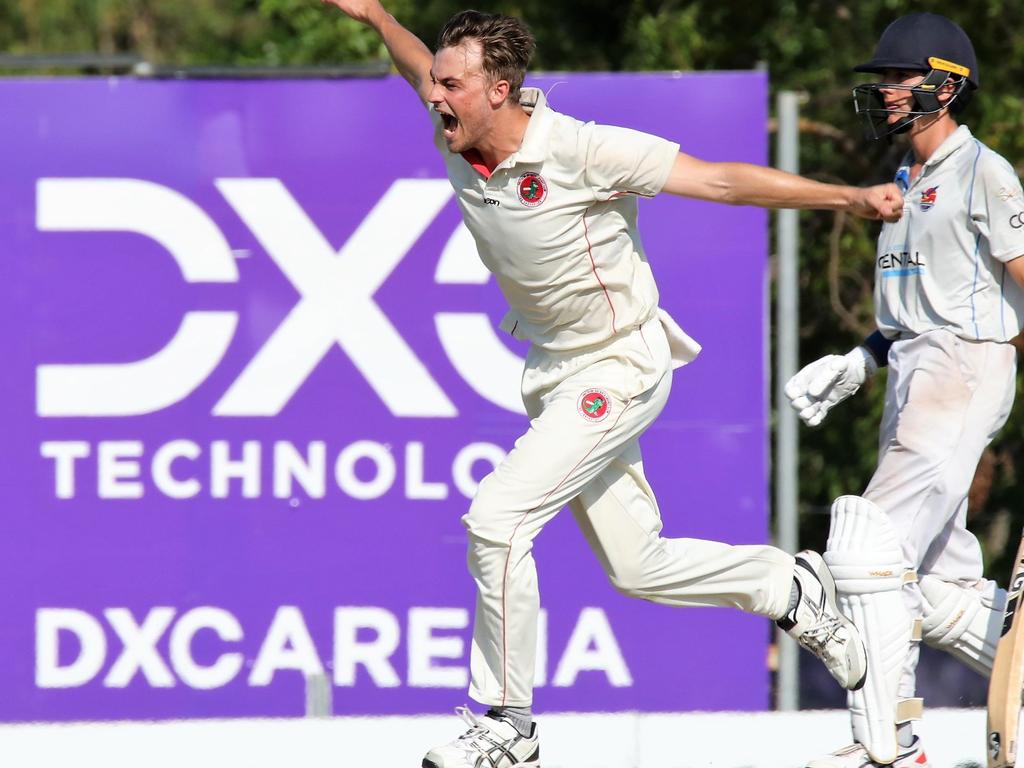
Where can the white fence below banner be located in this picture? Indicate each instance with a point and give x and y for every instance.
(954, 738)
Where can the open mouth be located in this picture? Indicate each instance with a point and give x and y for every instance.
(450, 123)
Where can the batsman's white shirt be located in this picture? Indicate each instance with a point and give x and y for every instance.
(556, 222)
(941, 288)
(943, 265)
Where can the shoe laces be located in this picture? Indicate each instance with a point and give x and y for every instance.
(825, 631)
(469, 742)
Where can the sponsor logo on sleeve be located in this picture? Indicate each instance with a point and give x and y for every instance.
(1017, 220)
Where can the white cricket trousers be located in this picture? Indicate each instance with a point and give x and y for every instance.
(587, 411)
(946, 398)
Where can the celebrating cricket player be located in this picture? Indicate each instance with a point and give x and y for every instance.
(948, 299)
(552, 205)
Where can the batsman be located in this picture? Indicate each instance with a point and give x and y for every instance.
(948, 300)
(551, 203)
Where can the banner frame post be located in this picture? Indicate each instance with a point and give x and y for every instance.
(787, 325)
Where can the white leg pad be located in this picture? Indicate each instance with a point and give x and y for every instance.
(866, 561)
(963, 620)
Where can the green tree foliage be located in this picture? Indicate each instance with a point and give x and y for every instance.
(806, 45)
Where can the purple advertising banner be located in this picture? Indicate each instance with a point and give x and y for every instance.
(252, 376)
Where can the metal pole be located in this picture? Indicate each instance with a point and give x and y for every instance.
(319, 699)
(787, 324)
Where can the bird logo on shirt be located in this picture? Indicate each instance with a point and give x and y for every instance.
(928, 197)
(532, 189)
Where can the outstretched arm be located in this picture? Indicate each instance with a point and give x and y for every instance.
(412, 58)
(746, 184)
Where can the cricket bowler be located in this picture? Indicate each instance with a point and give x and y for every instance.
(551, 203)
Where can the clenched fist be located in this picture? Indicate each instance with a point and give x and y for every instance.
(883, 201)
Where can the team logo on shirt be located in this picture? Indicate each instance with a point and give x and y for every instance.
(928, 197)
(532, 189)
(593, 405)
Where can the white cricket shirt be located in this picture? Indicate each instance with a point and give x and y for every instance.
(943, 265)
(556, 222)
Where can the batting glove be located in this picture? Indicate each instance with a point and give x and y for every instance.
(825, 383)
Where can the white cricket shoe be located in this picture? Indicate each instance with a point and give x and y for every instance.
(855, 756)
(818, 626)
(489, 743)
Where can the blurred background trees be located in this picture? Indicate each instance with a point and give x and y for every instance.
(806, 45)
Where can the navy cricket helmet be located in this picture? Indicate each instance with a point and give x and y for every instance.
(923, 42)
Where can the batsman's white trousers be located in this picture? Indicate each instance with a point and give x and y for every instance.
(946, 398)
(587, 411)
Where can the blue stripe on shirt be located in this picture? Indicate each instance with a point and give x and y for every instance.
(977, 241)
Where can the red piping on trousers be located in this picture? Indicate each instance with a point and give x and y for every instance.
(508, 557)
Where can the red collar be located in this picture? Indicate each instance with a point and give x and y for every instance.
(476, 160)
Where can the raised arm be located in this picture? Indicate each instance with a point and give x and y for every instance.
(412, 58)
(746, 184)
